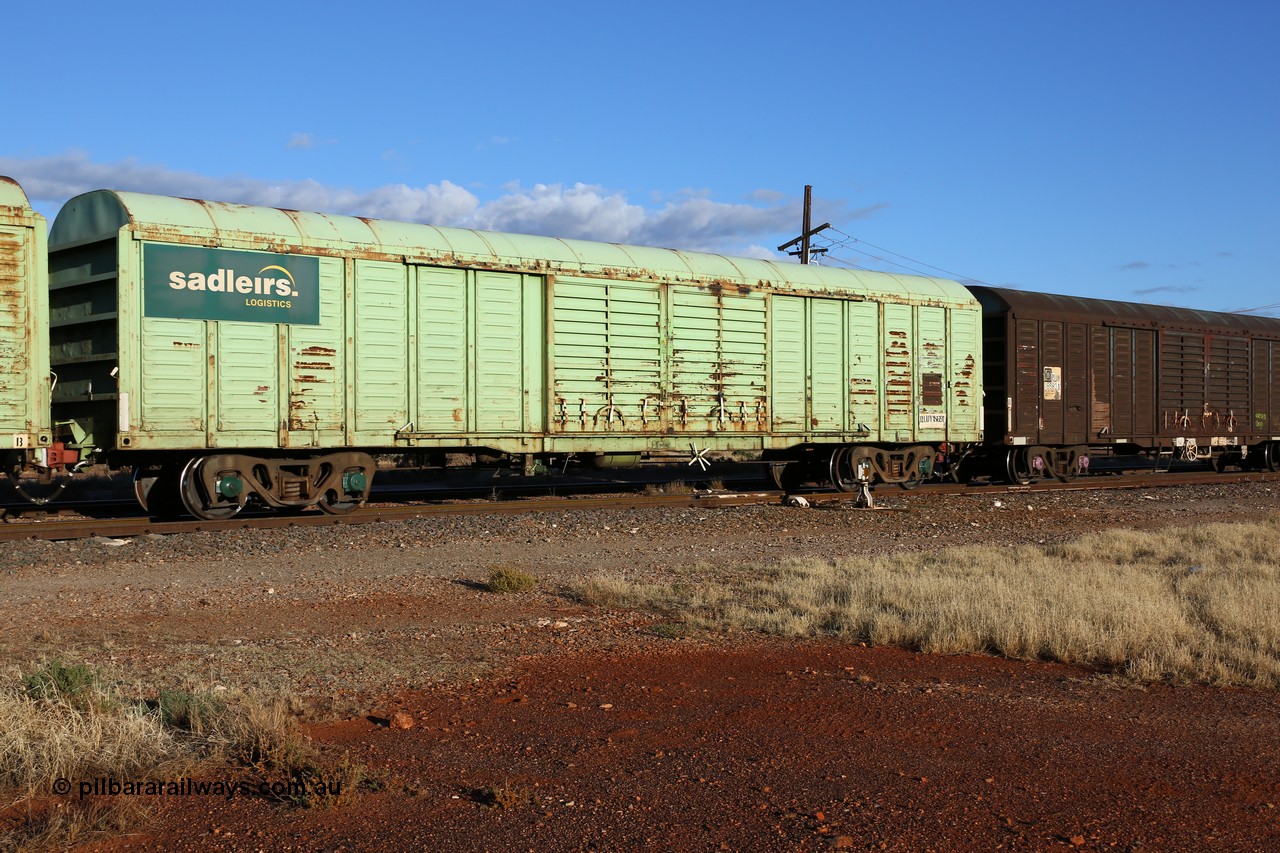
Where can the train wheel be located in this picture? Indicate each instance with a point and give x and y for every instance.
(157, 491)
(1272, 455)
(197, 502)
(851, 468)
(1018, 467)
(145, 479)
(918, 466)
(790, 477)
(334, 504)
(347, 493)
(787, 476)
(839, 472)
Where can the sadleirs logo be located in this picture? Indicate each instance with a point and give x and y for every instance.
(226, 280)
(196, 283)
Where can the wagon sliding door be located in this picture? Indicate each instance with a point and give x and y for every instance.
(828, 372)
(808, 388)
(381, 340)
(477, 353)
(1265, 421)
(316, 368)
(898, 339)
(718, 357)
(607, 373)
(24, 399)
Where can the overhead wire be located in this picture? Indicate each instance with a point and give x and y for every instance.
(1270, 307)
(849, 241)
(826, 245)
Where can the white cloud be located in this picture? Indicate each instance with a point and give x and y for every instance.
(580, 211)
(763, 253)
(690, 220)
(700, 223)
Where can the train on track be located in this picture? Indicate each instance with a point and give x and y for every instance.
(231, 355)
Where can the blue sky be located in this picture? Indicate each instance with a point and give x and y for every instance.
(1122, 150)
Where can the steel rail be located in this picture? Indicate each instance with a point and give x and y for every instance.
(375, 514)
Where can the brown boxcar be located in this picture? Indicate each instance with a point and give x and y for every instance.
(1067, 377)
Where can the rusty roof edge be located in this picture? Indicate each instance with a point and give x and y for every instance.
(12, 194)
(15, 208)
(674, 254)
(151, 214)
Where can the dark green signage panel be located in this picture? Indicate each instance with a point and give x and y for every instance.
(195, 283)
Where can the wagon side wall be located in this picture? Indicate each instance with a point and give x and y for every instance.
(1151, 378)
(177, 336)
(24, 323)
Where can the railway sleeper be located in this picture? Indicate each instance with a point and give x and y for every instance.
(218, 487)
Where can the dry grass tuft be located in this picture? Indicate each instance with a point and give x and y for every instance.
(65, 825)
(1194, 604)
(266, 738)
(510, 579)
(46, 737)
(615, 592)
(77, 684)
(66, 723)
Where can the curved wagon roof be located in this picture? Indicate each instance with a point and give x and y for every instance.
(99, 214)
(1108, 312)
(14, 205)
(11, 194)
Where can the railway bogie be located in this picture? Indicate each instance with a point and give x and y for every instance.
(855, 467)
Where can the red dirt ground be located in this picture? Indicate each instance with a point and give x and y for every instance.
(785, 746)
(597, 734)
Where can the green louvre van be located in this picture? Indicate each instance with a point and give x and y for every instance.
(24, 362)
(183, 329)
